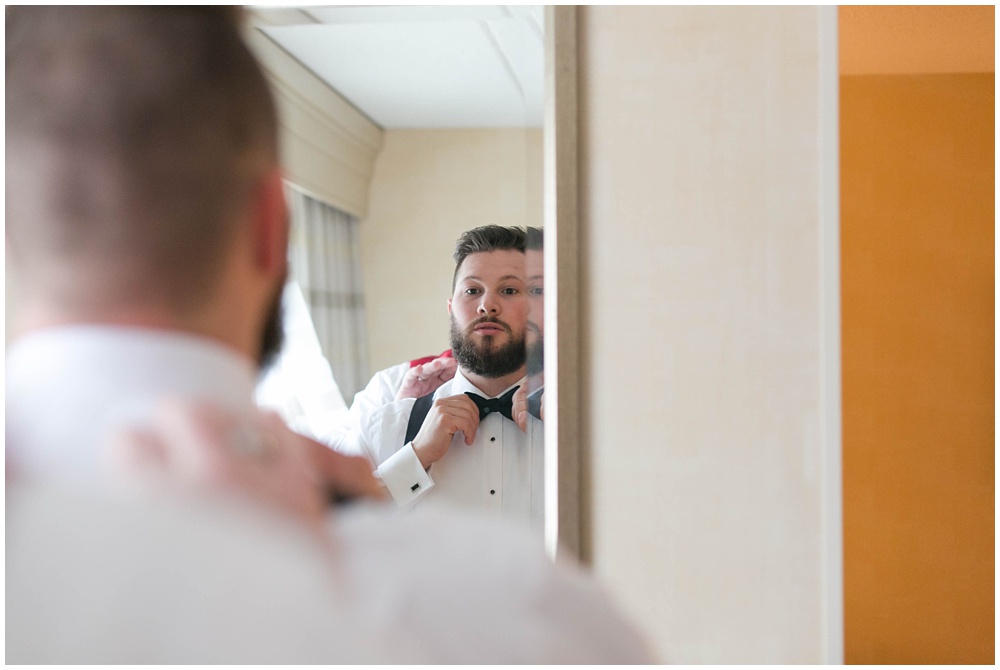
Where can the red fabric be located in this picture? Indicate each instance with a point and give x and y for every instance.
(427, 359)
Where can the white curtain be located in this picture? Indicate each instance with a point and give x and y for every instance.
(326, 263)
(299, 384)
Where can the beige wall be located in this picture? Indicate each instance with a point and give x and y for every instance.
(703, 341)
(428, 187)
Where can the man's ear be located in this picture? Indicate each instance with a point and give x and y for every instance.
(449, 306)
(270, 223)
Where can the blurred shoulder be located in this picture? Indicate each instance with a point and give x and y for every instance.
(163, 580)
(484, 590)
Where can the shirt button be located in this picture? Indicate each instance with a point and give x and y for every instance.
(492, 492)
(493, 439)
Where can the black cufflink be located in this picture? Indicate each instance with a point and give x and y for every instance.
(415, 487)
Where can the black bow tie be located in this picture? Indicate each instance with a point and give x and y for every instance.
(487, 406)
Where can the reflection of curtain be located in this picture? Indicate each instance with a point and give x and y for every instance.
(299, 384)
(326, 262)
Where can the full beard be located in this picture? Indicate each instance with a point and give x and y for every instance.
(487, 360)
(535, 357)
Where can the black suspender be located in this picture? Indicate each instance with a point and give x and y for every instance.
(417, 416)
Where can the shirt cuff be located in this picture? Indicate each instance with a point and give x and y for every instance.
(404, 476)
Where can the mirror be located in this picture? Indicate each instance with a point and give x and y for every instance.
(437, 129)
(453, 97)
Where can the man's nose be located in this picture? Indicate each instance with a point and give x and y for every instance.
(489, 304)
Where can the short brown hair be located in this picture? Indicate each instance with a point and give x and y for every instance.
(486, 238)
(134, 138)
(534, 239)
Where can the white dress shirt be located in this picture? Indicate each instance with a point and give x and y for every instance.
(68, 388)
(500, 474)
(380, 390)
(98, 579)
(93, 578)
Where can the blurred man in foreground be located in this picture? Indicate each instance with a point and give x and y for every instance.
(146, 225)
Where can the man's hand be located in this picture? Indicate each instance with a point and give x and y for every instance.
(426, 378)
(446, 417)
(346, 477)
(202, 448)
(519, 408)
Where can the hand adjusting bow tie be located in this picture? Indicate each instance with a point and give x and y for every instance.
(535, 403)
(487, 406)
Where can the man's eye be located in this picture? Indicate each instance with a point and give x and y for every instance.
(536, 290)
(510, 290)
(472, 291)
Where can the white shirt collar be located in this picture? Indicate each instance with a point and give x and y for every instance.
(67, 387)
(460, 384)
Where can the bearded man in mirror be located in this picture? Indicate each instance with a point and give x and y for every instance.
(460, 444)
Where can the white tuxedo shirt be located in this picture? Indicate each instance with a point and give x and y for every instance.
(380, 390)
(501, 474)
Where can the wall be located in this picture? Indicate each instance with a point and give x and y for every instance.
(707, 445)
(428, 187)
(918, 353)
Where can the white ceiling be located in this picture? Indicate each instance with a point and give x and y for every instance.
(419, 66)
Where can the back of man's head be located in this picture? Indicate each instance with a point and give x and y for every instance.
(485, 239)
(135, 136)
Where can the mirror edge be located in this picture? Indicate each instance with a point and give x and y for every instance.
(561, 258)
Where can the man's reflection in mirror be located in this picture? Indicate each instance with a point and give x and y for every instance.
(424, 375)
(528, 399)
(458, 443)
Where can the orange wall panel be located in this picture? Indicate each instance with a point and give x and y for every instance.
(917, 250)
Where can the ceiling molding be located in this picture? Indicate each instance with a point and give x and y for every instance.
(281, 16)
(327, 146)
